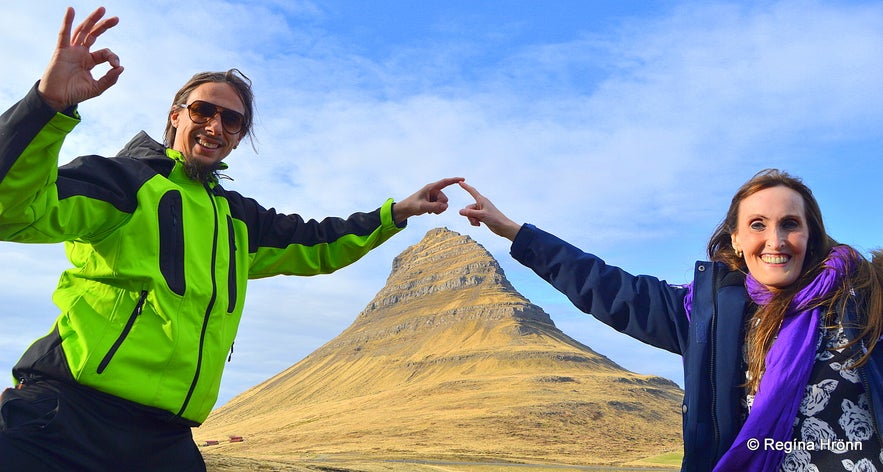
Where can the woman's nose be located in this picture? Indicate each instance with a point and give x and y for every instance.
(776, 239)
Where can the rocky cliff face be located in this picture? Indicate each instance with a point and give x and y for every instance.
(450, 361)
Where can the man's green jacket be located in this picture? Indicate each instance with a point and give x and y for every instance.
(151, 306)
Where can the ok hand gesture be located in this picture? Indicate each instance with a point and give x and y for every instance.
(68, 79)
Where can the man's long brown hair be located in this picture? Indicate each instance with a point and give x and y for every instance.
(763, 327)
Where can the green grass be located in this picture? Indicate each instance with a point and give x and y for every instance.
(669, 458)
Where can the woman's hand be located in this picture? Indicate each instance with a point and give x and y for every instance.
(483, 211)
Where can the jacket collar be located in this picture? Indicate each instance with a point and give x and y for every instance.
(142, 146)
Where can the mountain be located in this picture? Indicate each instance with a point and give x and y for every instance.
(450, 362)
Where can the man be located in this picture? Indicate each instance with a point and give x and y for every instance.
(161, 254)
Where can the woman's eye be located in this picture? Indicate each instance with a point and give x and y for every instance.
(757, 226)
(790, 224)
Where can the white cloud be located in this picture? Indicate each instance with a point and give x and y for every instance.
(627, 141)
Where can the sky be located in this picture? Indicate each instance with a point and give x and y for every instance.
(623, 127)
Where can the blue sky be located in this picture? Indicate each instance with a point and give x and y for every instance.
(622, 126)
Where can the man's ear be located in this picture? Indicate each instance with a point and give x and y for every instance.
(174, 114)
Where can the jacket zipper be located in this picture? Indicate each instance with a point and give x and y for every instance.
(208, 309)
(122, 337)
(866, 385)
(231, 275)
(847, 309)
(712, 369)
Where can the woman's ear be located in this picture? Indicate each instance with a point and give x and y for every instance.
(735, 245)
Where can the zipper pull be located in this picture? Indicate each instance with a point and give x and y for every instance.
(140, 306)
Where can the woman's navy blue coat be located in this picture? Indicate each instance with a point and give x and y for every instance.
(653, 312)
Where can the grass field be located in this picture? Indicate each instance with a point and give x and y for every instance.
(224, 463)
(672, 459)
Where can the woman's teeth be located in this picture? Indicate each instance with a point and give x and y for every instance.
(775, 259)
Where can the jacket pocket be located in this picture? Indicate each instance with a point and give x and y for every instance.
(27, 411)
(171, 241)
(122, 337)
(231, 276)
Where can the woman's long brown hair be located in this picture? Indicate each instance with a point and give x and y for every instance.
(763, 327)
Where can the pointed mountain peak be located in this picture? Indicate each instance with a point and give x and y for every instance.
(446, 270)
(442, 249)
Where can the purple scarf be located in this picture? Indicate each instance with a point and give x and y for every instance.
(788, 365)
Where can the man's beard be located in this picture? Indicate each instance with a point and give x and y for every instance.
(201, 172)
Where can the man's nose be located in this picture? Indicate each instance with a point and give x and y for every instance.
(214, 124)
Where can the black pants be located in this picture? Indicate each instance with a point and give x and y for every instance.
(49, 425)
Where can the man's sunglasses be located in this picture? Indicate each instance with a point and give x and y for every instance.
(201, 112)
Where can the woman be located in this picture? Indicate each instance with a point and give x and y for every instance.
(778, 332)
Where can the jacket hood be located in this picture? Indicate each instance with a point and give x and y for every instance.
(142, 145)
